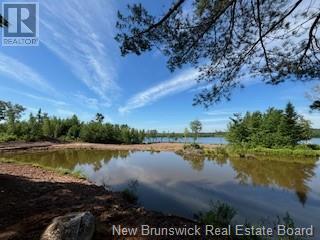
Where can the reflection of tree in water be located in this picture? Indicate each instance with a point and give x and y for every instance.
(220, 160)
(292, 176)
(69, 158)
(196, 161)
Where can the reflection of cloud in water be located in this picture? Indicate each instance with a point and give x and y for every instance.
(140, 166)
(256, 188)
(117, 173)
(169, 184)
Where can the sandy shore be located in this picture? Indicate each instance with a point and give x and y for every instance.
(21, 146)
(31, 197)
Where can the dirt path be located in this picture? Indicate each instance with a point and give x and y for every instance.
(31, 197)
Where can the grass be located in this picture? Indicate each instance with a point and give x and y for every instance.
(299, 154)
(219, 215)
(276, 152)
(303, 153)
(216, 152)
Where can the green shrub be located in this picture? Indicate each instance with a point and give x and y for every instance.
(192, 146)
(298, 152)
(220, 215)
(7, 137)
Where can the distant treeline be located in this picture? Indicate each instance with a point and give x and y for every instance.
(315, 133)
(155, 136)
(42, 127)
(189, 134)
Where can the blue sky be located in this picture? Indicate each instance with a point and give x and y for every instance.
(77, 68)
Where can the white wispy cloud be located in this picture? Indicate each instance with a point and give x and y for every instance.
(222, 112)
(245, 81)
(180, 83)
(46, 99)
(214, 120)
(80, 32)
(65, 112)
(90, 102)
(18, 71)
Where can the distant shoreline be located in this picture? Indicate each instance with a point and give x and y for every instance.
(209, 150)
(38, 146)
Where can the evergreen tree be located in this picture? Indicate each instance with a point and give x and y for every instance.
(272, 129)
(289, 127)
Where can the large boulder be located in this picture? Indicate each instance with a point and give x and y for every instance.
(73, 226)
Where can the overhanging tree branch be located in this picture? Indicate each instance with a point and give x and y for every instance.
(175, 7)
(312, 28)
(229, 39)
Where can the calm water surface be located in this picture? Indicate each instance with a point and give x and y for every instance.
(171, 184)
(202, 140)
(212, 140)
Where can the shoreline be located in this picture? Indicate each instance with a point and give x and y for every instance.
(47, 194)
(36, 146)
(208, 150)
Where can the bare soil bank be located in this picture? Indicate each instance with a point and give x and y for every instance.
(31, 197)
(22, 146)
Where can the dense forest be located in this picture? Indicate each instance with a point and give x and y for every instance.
(43, 127)
(273, 129)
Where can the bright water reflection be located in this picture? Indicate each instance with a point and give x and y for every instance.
(209, 140)
(167, 182)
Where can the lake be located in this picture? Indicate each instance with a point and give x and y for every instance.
(168, 183)
(211, 140)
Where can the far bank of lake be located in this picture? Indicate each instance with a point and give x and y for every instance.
(209, 140)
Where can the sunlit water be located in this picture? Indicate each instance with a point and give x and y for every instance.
(209, 140)
(202, 140)
(257, 189)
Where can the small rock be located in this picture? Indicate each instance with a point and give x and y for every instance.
(73, 226)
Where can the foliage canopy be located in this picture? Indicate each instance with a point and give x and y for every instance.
(229, 40)
(272, 129)
(43, 127)
(196, 127)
